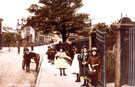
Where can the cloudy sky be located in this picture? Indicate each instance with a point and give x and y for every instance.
(100, 10)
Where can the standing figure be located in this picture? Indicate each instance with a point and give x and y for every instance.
(75, 49)
(49, 54)
(32, 48)
(95, 61)
(53, 51)
(25, 49)
(27, 60)
(75, 67)
(61, 61)
(18, 49)
(83, 58)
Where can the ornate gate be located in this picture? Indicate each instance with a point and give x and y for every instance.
(101, 45)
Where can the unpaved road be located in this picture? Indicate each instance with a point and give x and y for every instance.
(11, 72)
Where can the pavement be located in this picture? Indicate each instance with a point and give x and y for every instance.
(11, 72)
(49, 76)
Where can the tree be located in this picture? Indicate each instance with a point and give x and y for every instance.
(10, 38)
(59, 16)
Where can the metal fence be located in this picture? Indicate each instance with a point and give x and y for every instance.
(101, 45)
(131, 75)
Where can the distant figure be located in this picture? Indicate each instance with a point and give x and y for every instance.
(75, 49)
(18, 49)
(32, 48)
(27, 59)
(25, 49)
(53, 52)
(49, 54)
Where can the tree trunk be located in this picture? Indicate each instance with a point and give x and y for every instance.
(64, 39)
(64, 33)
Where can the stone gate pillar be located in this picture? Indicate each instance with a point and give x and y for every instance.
(127, 51)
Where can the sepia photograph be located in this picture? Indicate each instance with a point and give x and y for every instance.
(67, 43)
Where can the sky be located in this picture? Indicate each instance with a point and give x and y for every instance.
(106, 11)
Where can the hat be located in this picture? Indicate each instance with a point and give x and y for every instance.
(84, 46)
(94, 49)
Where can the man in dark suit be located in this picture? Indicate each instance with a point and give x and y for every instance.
(27, 60)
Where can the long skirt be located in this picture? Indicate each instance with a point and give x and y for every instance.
(75, 65)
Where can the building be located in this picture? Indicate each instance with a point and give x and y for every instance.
(27, 32)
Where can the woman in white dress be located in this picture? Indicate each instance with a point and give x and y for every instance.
(75, 69)
(61, 62)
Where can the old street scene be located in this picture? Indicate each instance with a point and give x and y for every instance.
(67, 43)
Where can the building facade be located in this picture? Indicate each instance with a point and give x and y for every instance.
(27, 32)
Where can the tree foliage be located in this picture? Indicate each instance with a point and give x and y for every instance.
(59, 16)
(10, 38)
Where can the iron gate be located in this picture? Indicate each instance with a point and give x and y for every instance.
(101, 45)
(131, 75)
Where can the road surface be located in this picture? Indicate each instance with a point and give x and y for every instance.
(11, 73)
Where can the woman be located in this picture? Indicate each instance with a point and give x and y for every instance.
(61, 62)
(95, 61)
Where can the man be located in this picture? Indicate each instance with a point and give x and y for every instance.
(27, 60)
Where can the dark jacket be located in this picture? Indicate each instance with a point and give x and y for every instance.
(27, 58)
(83, 58)
(92, 61)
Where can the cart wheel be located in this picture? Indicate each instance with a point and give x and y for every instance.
(23, 64)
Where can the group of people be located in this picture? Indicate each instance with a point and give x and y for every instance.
(85, 64)
(60, 56)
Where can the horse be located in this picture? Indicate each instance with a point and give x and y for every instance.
(35, 57)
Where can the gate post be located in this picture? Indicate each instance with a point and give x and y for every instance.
(125, 49)
(1, 33)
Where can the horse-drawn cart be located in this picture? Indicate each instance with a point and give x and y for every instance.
(32, 56)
